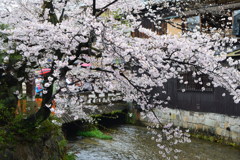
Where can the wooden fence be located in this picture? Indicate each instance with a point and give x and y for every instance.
(200, 101)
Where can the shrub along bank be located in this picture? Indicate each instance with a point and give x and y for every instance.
(43, 142)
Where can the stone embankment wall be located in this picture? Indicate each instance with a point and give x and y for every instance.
(225, 126)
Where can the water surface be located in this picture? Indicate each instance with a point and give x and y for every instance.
(134, 143)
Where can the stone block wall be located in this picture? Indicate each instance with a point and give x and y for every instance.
(225, 126)
(93, 98)
(104, 102)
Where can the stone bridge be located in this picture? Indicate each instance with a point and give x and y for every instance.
(105, 102)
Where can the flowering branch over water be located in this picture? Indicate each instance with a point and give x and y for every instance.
(62, 35)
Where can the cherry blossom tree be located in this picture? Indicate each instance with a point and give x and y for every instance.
(63, 34)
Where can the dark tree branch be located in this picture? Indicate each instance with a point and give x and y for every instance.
(102, 10)
(94, 8)
(62, 14)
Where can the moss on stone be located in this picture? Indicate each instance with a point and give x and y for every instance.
(94, 133)
(69, 157)
(212, 138)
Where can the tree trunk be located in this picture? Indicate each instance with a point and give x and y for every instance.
(44, 112)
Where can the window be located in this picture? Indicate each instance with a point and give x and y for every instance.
(236, 23)
(193, 23)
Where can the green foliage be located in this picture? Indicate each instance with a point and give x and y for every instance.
(9, 84)
(4, 26)
(1, 57)
(117, 16)
(211, 138)
(15, 57)
(120, 17)
(62, 144)
(94, 133)
(6, 114)
(1, 138)
(69, 157)
(16, 133)
(116, 112)
(8, 76)
(232, 144)
(131, 118)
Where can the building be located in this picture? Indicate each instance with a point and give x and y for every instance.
(206, 110)
(223, 15)
(219, 14)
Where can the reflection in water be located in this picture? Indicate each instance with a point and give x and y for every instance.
(133, 143)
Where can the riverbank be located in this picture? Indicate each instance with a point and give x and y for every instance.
(122, 134)
(134, 142)
(209, 126)
(125, 117)
(36, 143)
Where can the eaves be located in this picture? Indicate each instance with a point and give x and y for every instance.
(211, 9)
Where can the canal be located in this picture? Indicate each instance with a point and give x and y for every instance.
(134, 143)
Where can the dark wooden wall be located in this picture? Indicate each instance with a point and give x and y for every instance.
(146, 23)
(200, 101)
